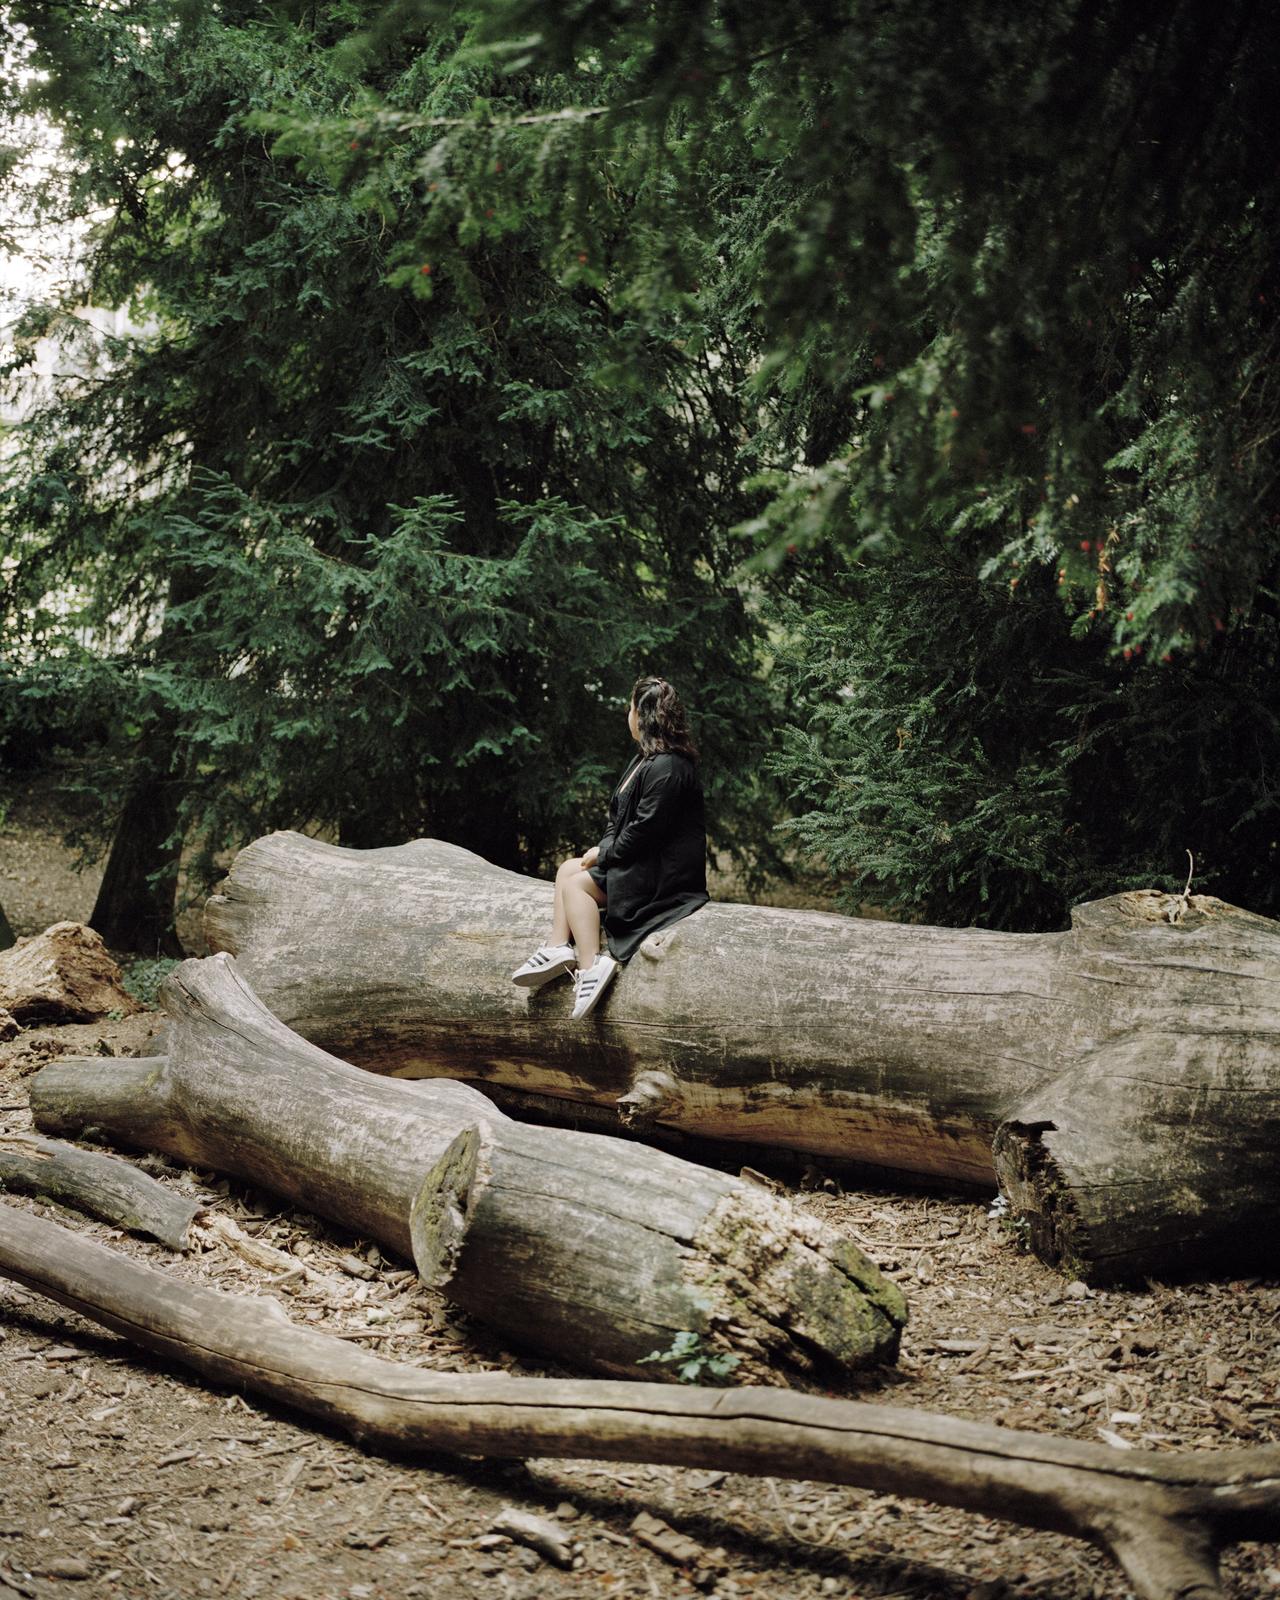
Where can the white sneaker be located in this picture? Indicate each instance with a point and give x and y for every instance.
(547, 961)
(590, 983)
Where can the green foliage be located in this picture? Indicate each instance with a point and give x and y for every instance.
(1006, 270)
(959, 752)
(923, 774)
(340, 542)
(1014, 1224)
(694, 1361)
(142, 979)
(49, 707)
(474, 335)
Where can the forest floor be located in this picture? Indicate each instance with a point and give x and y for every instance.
(120, 1476)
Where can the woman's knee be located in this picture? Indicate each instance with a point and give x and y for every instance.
(583, 883)
(588, 886)
(569, 869)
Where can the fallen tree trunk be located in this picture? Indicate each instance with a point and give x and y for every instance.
(99, 1184)
(1129, 1066)
(593, 1250)
(1163, 1518)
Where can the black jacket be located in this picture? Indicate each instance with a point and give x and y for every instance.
(652, 864)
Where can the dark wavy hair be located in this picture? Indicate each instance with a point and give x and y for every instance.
(661, 718)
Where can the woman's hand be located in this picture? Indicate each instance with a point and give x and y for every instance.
(589, 857)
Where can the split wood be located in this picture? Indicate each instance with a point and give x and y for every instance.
(1163, 1518)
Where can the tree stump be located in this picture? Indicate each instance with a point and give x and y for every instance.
(62, 975)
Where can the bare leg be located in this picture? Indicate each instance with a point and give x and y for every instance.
(581, 899)
(559, 921)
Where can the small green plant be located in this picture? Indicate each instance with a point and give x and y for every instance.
(693, 1361)
(1017, 1227)
(142, 978)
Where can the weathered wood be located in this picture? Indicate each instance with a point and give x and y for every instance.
(593, 1249)
(750, 1265)
(62, 975)
(1130, 1064)
(100, 1184)
(1163, 1517)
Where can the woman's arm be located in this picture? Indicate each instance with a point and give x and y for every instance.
(657, 810)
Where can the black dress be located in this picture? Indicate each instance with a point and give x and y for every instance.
(652, 864)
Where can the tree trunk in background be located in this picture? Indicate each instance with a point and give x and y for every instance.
(131, 911)
(135, 905)
(1128, 1069)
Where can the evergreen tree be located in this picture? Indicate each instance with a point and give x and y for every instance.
(1004, 280)
(966, 318)
(375, 545)
(1002, 269)
(956, 753)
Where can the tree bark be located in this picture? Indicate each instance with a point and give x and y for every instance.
(1130, 1066)
(134, 909)
(99, 1184)
(595, 1250)
(1162, 1517)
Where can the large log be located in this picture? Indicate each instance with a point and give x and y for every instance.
(1128, 1069)
(594, 1250)
(1162, 1517)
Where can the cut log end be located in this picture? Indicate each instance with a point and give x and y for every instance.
(792, 1289)
(1134, 907)
(438, 1219)
(1040, 1200)
(766, 1291)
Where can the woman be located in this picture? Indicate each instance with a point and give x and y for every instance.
(649, 870)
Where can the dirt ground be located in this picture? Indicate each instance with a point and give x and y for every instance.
(122, 1477)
